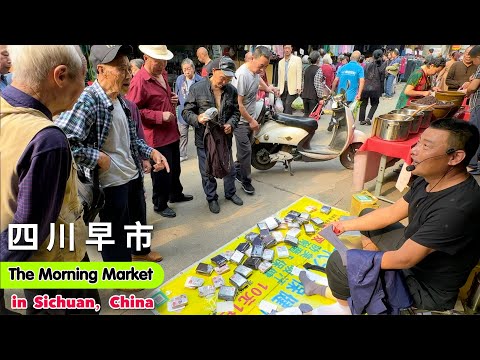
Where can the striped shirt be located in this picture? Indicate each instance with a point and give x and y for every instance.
(475, 99)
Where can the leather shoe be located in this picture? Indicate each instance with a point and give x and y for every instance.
(167, 212)
(235, 199)
(214, 206)
(151, 256)
(182, 198)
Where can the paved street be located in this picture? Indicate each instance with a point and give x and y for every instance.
(196, 232)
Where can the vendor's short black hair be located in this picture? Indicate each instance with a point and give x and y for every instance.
(463, 136)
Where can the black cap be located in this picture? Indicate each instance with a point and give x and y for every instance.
(225, 64)
(103, 54)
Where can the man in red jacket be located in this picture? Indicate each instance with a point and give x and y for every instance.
(150, 91)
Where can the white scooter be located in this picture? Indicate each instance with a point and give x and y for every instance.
(285, 137)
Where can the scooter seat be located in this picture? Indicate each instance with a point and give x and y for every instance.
(301, 122)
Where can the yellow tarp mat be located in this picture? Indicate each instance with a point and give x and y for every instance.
(277, 286)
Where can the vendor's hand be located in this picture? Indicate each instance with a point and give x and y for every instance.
(146, 166)
(160, 162)
(168, 116)
(436, 88)
(338, 227)
(254, 125)
(358, 96)
(103, 161)
(227, 128)
(464, 86)
(174, 99)
(426, 93)
(202, 118)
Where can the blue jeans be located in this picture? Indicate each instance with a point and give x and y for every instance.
(475, 120)
(389, 87)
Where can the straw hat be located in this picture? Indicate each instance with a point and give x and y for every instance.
(159, 52)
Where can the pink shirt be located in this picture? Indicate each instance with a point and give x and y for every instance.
(152, 99)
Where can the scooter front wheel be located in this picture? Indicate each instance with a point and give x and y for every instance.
(260, 156)
(348, 156)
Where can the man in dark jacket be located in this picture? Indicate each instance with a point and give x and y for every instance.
(216, 92)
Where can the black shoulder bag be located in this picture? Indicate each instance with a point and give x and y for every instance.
(91, 194)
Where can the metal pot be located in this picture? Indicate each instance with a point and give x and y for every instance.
(417, 118)
(394, 127)
(427, 114)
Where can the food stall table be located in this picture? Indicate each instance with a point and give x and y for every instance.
(372, 157)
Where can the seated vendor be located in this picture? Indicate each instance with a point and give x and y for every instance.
(434, 254)
(419, 83)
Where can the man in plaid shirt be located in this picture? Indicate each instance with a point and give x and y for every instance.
(101, 132)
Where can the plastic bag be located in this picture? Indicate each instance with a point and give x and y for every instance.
(278, 105)
(355, 107)
(297, 104)
(327, 108)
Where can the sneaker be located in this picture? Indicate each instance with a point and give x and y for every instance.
(151, 256)
(248, 188)
(214, 206)
(235, 199)
(368, 121)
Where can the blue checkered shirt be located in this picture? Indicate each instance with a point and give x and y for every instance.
(97, 109)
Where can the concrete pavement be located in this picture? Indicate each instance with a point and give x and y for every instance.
(195, 232)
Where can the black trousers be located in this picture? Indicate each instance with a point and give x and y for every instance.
(389, 238)
(66, 293)
(287, 100)
(309, 105)
(124, 205)
(166, 185)
(374, 101)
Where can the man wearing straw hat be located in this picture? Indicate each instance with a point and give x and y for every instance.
(151, 92)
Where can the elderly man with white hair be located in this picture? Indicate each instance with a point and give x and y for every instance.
(38, 175)
(103, 134)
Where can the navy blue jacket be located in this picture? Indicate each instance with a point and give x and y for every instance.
(372, 290)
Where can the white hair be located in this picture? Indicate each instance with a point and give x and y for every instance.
(327, 59)
(32, 63)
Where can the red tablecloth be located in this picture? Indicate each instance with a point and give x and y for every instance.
(367, 158)
(395, 149)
